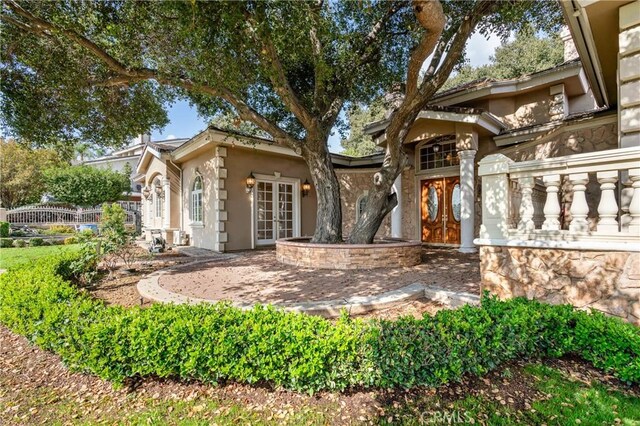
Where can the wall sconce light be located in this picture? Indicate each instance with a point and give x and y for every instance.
(436, 148)
(251, 181)
(306, 187)
(146, 192)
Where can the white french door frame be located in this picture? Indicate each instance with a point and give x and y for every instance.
(274, 179)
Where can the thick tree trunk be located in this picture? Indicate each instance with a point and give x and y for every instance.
(327, 188)
(380, 202)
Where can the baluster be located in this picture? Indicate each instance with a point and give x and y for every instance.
(552, 204)
(579, 207)
(625, 199)
(634, 206)
(526, 205)
(608, 206)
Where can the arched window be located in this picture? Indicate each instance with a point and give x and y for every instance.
(439, 152)
(361, 203)
(157, 198)
(196, 200)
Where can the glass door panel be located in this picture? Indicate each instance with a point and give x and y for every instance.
(264, 213)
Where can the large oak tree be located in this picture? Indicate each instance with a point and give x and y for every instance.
(102, 71)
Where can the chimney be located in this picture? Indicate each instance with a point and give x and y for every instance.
(570, 51)
(143, 138)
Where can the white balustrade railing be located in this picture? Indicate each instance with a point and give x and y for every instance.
(48, 214)
(573, 200)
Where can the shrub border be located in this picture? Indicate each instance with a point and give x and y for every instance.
(218, 342)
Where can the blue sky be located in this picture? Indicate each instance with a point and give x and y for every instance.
(184, 121)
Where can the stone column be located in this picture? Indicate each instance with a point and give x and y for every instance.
(166, 220)
(494, 172)
(396, 213)
(467, 200)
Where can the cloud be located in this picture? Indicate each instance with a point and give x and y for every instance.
(479, 48)
(172, 137)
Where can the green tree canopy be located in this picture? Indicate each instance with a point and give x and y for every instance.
(526, 54)
(87, 186)
(21, 178)
(357, 144)
(102, 71)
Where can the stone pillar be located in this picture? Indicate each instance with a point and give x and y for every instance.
(166, 220)
(467, 200)
(3, 214)
(494, 172)
(219, 196)
(634, 205)
(396, 213)
(629, 74)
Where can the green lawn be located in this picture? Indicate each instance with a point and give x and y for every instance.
(11, 257)
(556, 399)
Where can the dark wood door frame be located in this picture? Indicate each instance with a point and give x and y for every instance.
(439, 225)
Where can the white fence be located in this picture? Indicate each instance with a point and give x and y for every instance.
(48, 214)
(586, 201)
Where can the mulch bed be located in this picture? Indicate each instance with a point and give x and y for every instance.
(26, 370)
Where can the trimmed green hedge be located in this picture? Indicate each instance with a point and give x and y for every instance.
(4, 229)
(218, 342)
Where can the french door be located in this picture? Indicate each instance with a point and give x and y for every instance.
(276, 214)
(440, 210)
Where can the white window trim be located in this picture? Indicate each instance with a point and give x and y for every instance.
(276, 178)
(196, 223)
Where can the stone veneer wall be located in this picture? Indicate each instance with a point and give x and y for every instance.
(605, 281)
(353, 184)
(299, 252)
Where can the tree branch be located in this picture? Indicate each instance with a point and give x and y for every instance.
(126, 75)
(278, 76)
(431, 17)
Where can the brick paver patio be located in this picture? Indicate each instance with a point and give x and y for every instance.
(256, 276)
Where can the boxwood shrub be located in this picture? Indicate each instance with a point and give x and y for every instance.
(218, 342)
(4, 229)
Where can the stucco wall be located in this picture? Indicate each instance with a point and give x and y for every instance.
(242, 161)
(200, 235)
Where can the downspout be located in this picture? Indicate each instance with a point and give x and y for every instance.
(181, 196)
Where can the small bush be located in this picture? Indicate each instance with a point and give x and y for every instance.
(36, 242)
(19, 243)
(6, 242)
(18, 233)
(218, 342)
(56, 242)
(86, 234)
(59, 229)
(4, 229)
(70, 240)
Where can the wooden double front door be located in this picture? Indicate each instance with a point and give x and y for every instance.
(440, 210)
